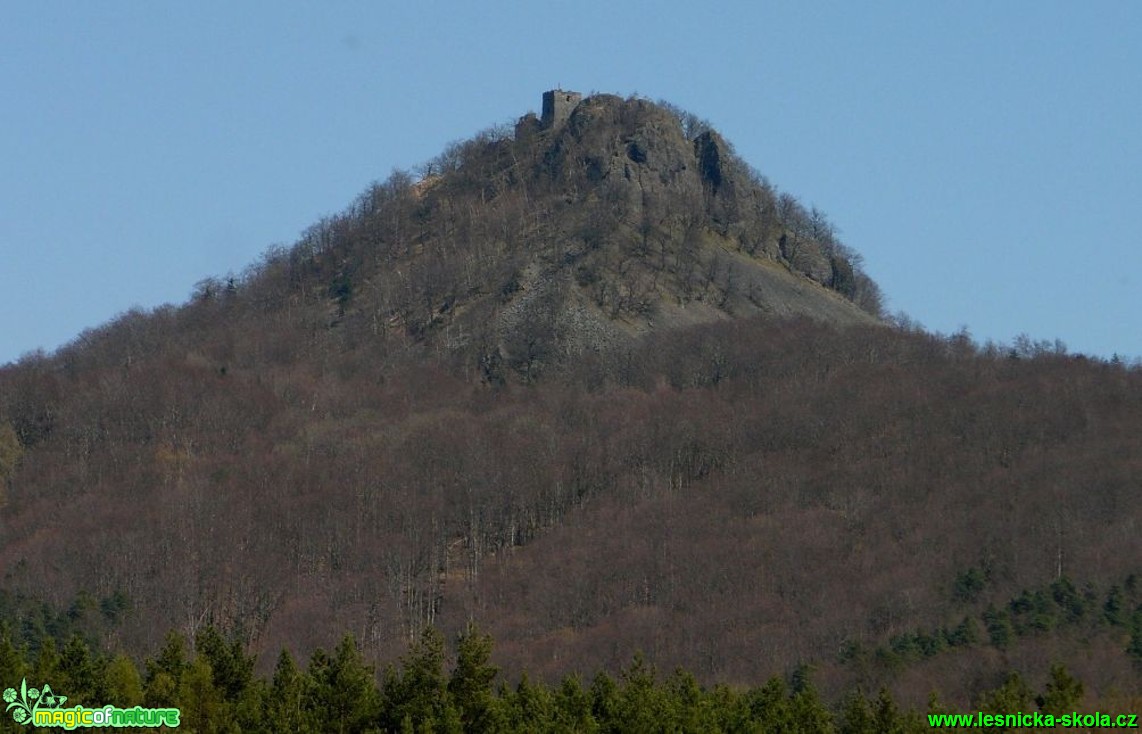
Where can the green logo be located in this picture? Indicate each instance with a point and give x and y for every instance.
(42, 707)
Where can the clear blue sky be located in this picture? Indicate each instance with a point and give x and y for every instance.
(984, 157)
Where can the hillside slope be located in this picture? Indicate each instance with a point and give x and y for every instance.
(584, 383)
(526, 247)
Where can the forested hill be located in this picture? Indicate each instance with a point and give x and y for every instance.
(528, 246)
(597, 386)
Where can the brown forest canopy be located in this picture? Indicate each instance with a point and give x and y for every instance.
(546, 387)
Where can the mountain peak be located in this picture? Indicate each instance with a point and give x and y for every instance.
(608, 217)
(580, 231)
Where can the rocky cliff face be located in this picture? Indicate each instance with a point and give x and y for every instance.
(649, 228)
(638, 153)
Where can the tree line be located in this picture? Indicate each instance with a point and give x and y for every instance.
(439, 687)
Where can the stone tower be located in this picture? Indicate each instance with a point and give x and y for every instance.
(557, 107)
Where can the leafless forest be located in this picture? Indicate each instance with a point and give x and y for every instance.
(598, 391)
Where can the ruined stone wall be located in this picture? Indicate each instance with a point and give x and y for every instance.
(558, 106)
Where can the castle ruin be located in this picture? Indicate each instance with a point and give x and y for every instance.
(557, 107)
